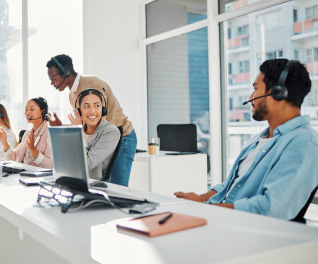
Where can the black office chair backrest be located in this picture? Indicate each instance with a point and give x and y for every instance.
(21, 135)
(180, 137)
(112, 161)
(300, 217)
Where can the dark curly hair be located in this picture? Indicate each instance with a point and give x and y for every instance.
(297, 82)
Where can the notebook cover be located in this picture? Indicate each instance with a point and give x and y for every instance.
(149, 225)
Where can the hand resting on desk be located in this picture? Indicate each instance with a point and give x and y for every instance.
(190, 196)
(195, 197)
(201, 198)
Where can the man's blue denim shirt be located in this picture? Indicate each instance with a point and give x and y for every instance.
(282, 176)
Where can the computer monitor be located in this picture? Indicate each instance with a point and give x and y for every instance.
(69, 157)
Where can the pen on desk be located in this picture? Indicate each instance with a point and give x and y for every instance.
(163, 220)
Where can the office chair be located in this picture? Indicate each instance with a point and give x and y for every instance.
(180, 137)
(112, 161)
(300, 217)
(21, 135)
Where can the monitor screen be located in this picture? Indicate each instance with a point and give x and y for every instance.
(69, 157)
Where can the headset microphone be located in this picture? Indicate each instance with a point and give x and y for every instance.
(60, 84)
(34, 118)
(256, 98)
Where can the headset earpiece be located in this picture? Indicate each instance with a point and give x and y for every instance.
(45, 111)
(279, 91)
(65, 73)
(79, 111)
(104, 111)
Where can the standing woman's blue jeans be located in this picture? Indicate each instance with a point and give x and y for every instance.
(121, 171)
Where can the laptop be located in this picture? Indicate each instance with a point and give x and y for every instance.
(70, 165)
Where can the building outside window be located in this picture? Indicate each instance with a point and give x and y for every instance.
(275, 32)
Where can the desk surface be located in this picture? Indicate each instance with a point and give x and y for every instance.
(145, 157)
(90, 235)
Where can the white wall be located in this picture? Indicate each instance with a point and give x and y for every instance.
(112, 51)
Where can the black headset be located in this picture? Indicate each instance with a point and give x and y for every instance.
(104, 108)
(42, 103)
(279, 91)
(1, 115)
(65, 73)
(45, 112)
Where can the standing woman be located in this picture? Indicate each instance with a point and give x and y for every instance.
(100, 135)
(34, 148)
(5, 124)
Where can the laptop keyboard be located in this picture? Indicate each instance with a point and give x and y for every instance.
(17, 167)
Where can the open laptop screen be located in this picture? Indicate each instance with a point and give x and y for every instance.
(69, 157)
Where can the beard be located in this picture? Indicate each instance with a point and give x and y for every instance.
(261, 112)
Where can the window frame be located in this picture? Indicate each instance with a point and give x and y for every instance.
(218, 102)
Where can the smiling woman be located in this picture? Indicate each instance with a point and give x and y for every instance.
(101, 136)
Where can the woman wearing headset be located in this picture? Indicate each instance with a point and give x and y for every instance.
(100, 135)
(34, 148)
(5, 124)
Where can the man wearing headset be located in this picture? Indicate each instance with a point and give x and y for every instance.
(277, 170)
(62, 75)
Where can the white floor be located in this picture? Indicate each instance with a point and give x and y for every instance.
(312, 215)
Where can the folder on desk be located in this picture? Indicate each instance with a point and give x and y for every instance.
(150, 226)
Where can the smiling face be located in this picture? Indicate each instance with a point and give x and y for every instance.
(259, 106)
(91, 110)
(33, 111)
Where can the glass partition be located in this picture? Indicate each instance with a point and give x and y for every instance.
(178, 84)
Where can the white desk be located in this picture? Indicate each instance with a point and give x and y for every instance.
(34, 235)
(166, 174)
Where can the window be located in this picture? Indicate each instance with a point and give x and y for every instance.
(272, 39)
(230, 68)
(229, 33)
(178, 85)
(315, 50)
(296, 54)
(165, 15)
(308, 13)
(11, 61)
(177, 68)
(274, 54)
(243, 30)
(295, 15)
(244, 66)
(269, 21)
(45, 39)
(41, 32)
(230, 5)
(311, 12)
(308, 55)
